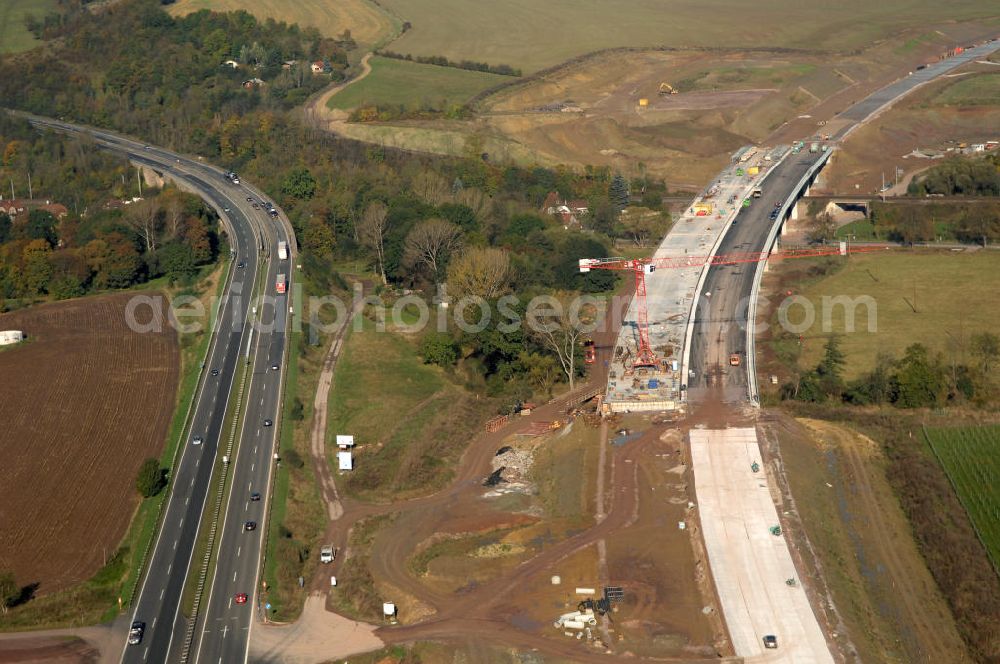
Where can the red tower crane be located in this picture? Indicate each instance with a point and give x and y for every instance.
(640, 267)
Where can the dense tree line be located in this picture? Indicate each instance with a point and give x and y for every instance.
(442, 61)
(95, 246)
(960, 177)
(919, 379)
(973, 223)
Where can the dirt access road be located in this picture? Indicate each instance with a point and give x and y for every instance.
(316, 111)
(481, 613)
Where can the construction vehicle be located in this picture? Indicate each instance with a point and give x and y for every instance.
(667, 89)
(734, 359)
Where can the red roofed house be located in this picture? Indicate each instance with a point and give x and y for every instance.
(13, 207)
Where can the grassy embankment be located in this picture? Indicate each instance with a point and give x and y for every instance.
(14, 36)
(862, 540)
(413, 85)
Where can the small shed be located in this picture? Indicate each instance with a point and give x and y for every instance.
(11, 337)
(345, 461)
(345, 442)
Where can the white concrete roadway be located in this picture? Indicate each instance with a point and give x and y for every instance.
(749, 564)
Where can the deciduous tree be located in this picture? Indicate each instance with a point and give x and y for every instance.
(150, 480)
(430, 243)
(480, 272)
(371, 233)
(561, 327)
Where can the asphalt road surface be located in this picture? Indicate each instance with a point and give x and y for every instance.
(861, 111)
(720, 319)
(253, 237)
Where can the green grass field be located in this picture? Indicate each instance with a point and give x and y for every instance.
(409, 420)
(971, 458)
(950, 291)
(414, 85)
(974, 90)
(14, 36)
(368, 24)
(534, 35)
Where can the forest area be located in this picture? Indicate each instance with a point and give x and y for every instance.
(86, 229)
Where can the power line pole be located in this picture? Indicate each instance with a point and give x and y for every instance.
(30, 194)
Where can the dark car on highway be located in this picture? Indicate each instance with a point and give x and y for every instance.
(136, 632)
(250, 525)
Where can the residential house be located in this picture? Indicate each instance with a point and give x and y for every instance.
(13, 207)
(253, 83)
(317, 67)
(231, 63)
(568, 213)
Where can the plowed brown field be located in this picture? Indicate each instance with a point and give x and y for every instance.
(82, 403)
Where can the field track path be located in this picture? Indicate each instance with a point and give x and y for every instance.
(923, 624)
(318, 114)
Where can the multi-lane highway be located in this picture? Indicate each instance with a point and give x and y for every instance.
(720, 318)
(249, 329)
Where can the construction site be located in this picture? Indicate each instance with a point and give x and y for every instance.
(648, 370)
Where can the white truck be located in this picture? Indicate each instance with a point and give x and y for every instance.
(283, 250)
(327, 553)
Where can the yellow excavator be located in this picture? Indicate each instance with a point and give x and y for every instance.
(667, 89)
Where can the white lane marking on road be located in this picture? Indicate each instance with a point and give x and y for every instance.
(255, 449)
(187, 500)
(175, 544)
(192, 481)
(162, 590)
(234, 577)
(181, 523)
(230, 602)
(145, 654)
(252, 466)
(239, 549)
(170, 567)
